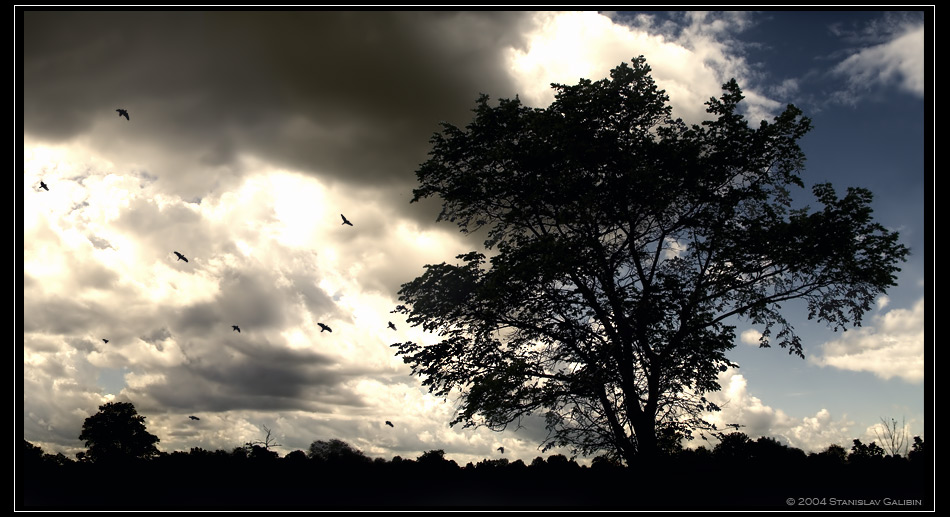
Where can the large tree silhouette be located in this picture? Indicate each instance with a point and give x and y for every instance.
(624, 244)
(117, 432)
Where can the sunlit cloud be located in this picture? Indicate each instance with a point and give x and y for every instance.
(740, 406)
(750, 337)
(899, 61)
(892, 345)
(690, 59)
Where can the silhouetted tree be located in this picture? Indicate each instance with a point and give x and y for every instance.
(296, 456)
(117, 432)
(335, 450)
(733, 447)
(560, 461)
(767, 450)
(862, 453)
(832, 457)
(893, 439)
(31, 453)
(604, 461)
(261, 453)
(624, 243)
(261, 448)
(435, 459)
(918, 451)
(239, 453)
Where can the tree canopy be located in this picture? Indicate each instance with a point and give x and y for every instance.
(620, 247)
(117, 432)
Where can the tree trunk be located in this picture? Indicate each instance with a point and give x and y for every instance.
(645, 429)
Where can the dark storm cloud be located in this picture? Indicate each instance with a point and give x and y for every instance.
(252, 375)
(352, 96)
(250, 299)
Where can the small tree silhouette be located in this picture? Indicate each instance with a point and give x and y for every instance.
(834, 455)
(117, 432)
(336, 450)
(918, 451)
(893, 440)
(862, 453)
(261, 448)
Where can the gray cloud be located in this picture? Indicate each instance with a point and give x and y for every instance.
(351, 96)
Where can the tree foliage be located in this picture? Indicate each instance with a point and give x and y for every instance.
(335, 450)
(117, 432)
(622, 244)
(861, 452)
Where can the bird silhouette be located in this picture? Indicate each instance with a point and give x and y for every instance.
(194, 418)
(501, 450)
(324, 327)
(237, 328)
(345, 220)
(181, 257)
(123, 113)
(390, 424)
(104, 340)
(43, 186)
(392, 326)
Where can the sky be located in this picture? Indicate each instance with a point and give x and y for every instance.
(250, 133)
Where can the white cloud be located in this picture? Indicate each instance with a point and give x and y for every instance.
(883, 301)
(689, 60)
(750, 337)
(893, 346)
(898, 61)
(270, 255)
(739, 406)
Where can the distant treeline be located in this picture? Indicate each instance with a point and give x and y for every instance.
(737, 473)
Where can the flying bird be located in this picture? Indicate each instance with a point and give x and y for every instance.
(390, 424)
(324, 327)
(181, 257)
(43, 186)
(123, 113)
(194, 418)
(345, 220)
(104, 340)
(392, 326)
(237, 328)
(501, 450)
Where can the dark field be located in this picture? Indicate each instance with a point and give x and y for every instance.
(220, 481)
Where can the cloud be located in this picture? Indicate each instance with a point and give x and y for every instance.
(739, 406)
(898, 61)
(691, 56)
(350, 97)
(750, 337)
(893, 346)
(269, 255)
